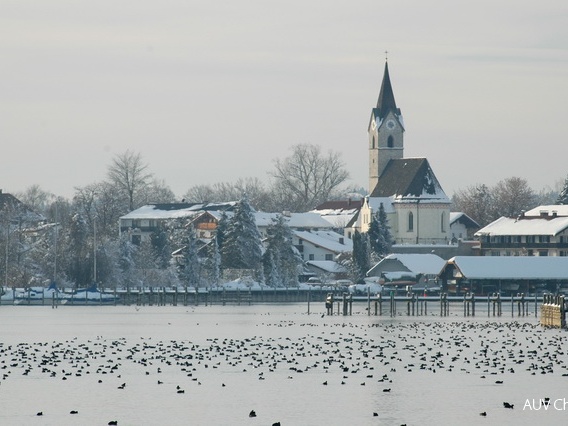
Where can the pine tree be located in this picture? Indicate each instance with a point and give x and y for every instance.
(242, 243)
(212, 263)
(161, 246)
(189, 268)
(272, 270)
(127, 253)
(280, 260)
(380, 236)
(563, 196)
(361, 255)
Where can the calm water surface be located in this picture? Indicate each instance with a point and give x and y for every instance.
(274, 359)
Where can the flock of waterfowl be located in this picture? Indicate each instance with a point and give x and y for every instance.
(363, 354)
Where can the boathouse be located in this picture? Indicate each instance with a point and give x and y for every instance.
(506, 275)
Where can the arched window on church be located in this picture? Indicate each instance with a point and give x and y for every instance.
(443, 222)
(410, 221)
(390, 141)
(373, 141)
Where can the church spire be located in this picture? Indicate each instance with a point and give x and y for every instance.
(386, 100)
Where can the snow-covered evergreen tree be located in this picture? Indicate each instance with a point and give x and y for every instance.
(127, 253)
(212, 264)
(79, 270)
(361, 255)
(242, 244)
(189, 267)
(280, 261)
(563, 196)
(161, 246)
(379, 233)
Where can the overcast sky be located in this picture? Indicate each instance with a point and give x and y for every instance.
(210, 91)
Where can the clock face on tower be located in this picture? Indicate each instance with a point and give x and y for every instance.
(391, 124)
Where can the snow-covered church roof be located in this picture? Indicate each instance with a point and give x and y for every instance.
(410, 179)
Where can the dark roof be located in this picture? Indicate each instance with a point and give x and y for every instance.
(228, 206)
(340, 204)
(407, 177)
(465, 220)
(8, 201)
(174, 206)
(386, 101)
(11, 204)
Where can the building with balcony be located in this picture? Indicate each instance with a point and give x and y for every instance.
(542, 231)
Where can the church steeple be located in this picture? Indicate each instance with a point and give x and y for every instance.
(386, 132)
(386, 100)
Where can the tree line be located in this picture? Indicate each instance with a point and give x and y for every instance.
(509, 198)
(79, 230)
(79, 242)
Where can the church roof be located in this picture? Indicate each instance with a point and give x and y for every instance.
(409, 178)
(386, 101)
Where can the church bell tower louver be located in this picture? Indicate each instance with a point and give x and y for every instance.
(386, 132)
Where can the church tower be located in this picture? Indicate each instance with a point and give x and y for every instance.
(386, 132)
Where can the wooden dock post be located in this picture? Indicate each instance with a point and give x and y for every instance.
(444, 308)
(329, 303)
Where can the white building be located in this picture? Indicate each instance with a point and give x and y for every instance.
(542, 231)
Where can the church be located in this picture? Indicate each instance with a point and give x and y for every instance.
(417, 208)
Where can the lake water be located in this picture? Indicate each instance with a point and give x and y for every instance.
(286, 365)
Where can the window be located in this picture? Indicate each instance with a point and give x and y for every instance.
(373, 142)
(390, 141)
(311, 257)
(410, 221)
(443, 222)
(329, 256)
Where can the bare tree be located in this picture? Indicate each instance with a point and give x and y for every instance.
(477, 202)
(258, 195)
(507, 198)
(129, 173)
(36, 198)
(308, 177)
(512, 196)
(157, 191)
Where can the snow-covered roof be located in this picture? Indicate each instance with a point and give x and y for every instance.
(327, 266)
(375, 203)
(427, 264)
(329, 240)
(294, 220)
(175, 210)
(560, 209)
(525, 226)
(339, 219)
(511, 267)
(410, 180)
(463, 218)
